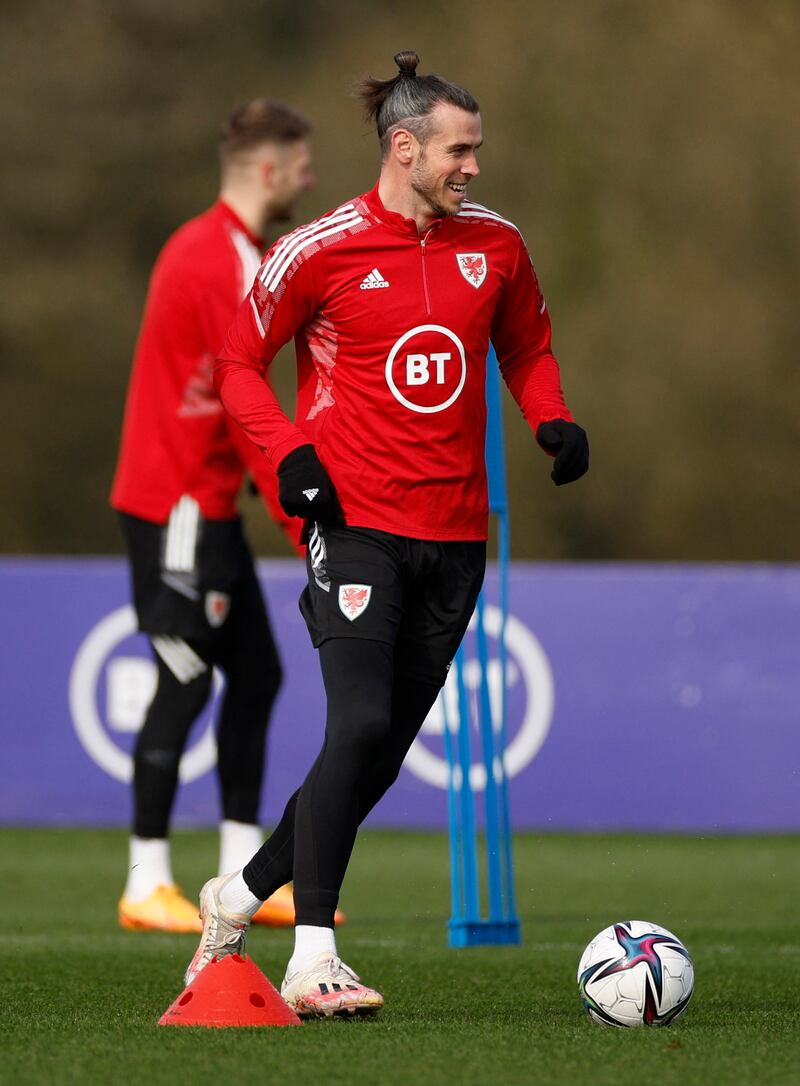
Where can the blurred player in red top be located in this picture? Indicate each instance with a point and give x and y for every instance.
(392, 300)
(181, 466)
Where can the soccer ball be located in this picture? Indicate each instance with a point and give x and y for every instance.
(635, 974)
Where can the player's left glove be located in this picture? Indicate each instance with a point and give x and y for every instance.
(567, 442)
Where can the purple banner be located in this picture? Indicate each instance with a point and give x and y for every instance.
(639, 697)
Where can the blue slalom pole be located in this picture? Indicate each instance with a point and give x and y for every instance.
(505, 812)
(467, 926)
(469, 858)
(490, 760)
(457, 903)
(498, 506)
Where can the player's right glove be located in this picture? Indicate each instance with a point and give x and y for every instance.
(305, 488)
(567, 442)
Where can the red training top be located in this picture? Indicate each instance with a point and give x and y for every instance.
(177, 439)
(391, 332)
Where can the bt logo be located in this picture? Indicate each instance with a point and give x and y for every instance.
(418, 367)
(426, 368)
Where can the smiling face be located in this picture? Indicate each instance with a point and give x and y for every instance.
(446, 161)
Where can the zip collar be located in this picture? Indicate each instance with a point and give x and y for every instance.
(396, 222)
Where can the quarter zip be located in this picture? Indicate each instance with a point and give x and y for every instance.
(422, 243)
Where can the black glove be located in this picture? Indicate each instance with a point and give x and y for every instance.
(305, 488)
(570, 446)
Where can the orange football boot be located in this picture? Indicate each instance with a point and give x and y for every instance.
(166, 909)
(278, 910)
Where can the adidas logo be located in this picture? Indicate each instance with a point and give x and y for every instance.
(312, 493)
(373, 281)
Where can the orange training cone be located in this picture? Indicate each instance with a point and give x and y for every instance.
(230, 992)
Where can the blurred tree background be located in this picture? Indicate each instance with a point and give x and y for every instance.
(648, 152)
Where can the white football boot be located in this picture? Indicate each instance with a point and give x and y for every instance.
(224, 932)
(328, 987)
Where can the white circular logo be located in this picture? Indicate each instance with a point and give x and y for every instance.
(130, 682)
(530, 695)
(427, 376)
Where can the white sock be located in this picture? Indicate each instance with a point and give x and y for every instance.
(148, 866)
(309, 943)
(237, 897)
(238, 843)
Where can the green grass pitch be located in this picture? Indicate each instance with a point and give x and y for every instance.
(80, 998)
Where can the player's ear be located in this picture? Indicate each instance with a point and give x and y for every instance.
(404, 145)
(267, 171)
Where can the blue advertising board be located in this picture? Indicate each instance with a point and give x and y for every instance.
(639, 697)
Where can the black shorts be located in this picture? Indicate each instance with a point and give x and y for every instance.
(415, 594)
(193, 603)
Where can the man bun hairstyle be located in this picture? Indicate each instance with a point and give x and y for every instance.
(261, 120)
(407, 63)
(407, 100)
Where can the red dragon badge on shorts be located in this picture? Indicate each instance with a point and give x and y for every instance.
(218, 604)
(473, 267)
(354, 599)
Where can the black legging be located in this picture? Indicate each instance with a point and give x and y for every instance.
(373, 717)
(248, 657)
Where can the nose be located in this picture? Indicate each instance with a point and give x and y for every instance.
(470, 165)
(311, 179)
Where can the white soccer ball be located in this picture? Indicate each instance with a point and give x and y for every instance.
(635, 974)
